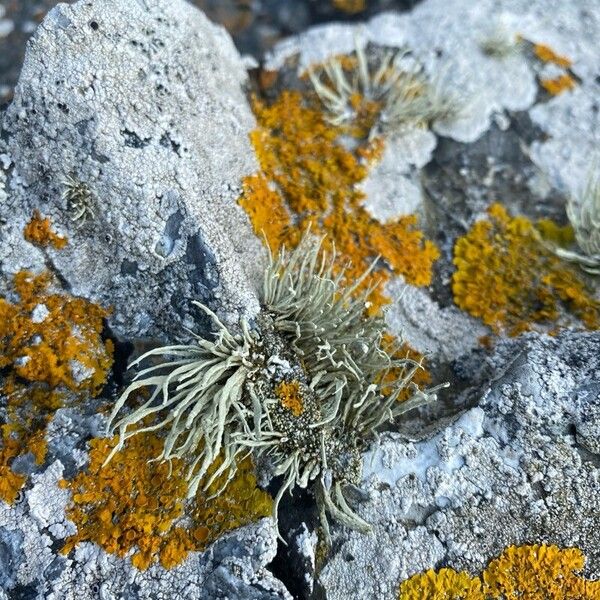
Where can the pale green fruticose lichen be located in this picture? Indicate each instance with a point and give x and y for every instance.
(222, 396)
(406, 96)
(584, 214)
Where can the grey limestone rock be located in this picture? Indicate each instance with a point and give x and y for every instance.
(142, 101)
(521, 466)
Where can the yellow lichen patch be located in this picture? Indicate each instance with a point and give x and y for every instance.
(546, 54)
(558, 85)
(537, 572)
(266, 210)
(507, 278)
(39, 231)
(290, 396)
(137, 505)
(350, 6)
(446, 584)
(308, 177)
(45, 336)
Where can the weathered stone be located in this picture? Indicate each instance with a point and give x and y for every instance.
(143, 102)
(514, 469)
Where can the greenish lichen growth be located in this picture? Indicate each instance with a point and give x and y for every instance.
(380, 95)
(305, 389)
(583, 211)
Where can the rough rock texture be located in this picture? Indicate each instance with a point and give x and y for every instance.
(143, 102)
(34, 529)
(519, 467)
(511, 142)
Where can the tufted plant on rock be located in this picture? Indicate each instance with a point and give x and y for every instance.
(305, 388)
(584, 215)
(382, 96)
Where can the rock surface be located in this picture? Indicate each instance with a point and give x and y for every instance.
(143, 102)
(519, 466)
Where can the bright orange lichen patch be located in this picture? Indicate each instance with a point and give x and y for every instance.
(546, 54)
(350, 6)
(39, 231)
(43, 336)
(290, 396)
(558, 85)
(507, 278)
(536, 572)
(137, 505)
(309, 178)
(539, 572)
(446, 584)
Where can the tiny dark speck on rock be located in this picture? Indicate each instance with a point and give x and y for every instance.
(94, 25)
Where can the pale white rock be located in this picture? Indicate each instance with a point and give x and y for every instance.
(144, 102)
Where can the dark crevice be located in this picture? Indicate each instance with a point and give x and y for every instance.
(290, 566)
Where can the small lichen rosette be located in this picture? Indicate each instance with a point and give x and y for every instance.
(304, 389)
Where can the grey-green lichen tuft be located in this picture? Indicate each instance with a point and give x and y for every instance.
(584, 214)
(305, 388)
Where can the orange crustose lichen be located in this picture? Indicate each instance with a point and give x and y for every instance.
(546, 54)
(47, 337)
(445, 584)
(308, 177)
(558, 85)
(350, 6)
(507, 278)
(50, 343)
(39, 231)
(290, 396)
(536, 572)
(136, 505)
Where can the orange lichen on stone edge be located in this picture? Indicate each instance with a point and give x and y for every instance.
(45, 339)
(45, 336)
(39, 232)
(308, 178)
(546, 54)
(136, 506)
(511, 281)
(558, 85)
(536, 572)
(350, 6)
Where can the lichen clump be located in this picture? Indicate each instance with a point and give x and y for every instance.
(306, 389)
(350, 6)
(308, 178)
(39, 232)
(53, 338)
(558, 85)
(547, 55)
(514, 283)
(376, 95)
(536, 572)
(135, 506)
(50, 346)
